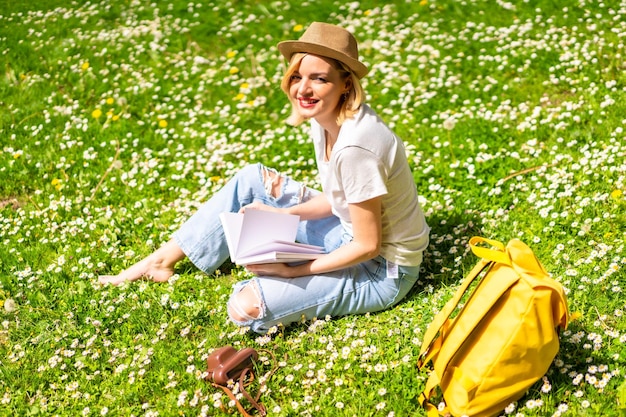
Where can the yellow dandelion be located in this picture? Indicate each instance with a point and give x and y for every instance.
(17, 154)
(251, 103)
(56, 183)
(298, 28)
(616, 194)
(115, 117)
(367, 12)
(96, 113)
(240, 97)
(575, 315)
(85, 66)
(244, 86)
(110, 100)
(231, 54)
(163, 123)
(423, 3)
(233, 70)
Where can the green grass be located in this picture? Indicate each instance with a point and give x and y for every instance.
(513, 116)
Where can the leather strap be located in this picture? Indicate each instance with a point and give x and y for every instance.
(245, 379)
(242, 387)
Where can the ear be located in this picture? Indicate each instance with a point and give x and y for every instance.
(348, 85)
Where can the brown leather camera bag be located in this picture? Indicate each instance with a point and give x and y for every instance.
(227, 364)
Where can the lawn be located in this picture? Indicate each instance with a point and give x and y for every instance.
(119, 118)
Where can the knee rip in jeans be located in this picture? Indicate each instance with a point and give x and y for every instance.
(246, 305)
(273, 182)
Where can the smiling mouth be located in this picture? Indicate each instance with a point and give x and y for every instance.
(307, 102)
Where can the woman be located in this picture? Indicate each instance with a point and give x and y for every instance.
(367, 218)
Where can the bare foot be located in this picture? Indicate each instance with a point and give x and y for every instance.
(158, 266)
(142, 269)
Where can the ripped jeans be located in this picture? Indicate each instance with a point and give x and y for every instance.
(362, 288)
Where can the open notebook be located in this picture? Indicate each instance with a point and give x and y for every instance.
(259, 236)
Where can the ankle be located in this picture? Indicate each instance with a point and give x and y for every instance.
(167, 256)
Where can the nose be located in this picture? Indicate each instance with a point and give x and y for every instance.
(304, 87)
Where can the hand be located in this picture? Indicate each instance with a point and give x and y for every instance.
(257, 205)
(281, 270)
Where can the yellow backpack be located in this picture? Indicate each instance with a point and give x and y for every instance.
(501, 341)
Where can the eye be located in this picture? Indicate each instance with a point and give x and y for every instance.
(295, 78)
(321, 80)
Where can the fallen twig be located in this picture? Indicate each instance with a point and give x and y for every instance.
(117, 153)
(525, 171)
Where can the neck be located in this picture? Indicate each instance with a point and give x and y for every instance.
(329, 123)
(331, 135)
(330, 127)
(331, 139)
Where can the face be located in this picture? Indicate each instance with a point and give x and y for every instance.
(317, 87)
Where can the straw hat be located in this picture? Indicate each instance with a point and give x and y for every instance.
(329, 41)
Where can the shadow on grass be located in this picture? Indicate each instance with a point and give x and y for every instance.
(445, 263)
(448, 256)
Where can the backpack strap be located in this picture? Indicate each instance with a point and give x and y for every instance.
(431, 383)
(430, 345)
(488, 257)
(499, 254)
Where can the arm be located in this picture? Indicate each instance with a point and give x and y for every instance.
(316, 208)
(365, 245)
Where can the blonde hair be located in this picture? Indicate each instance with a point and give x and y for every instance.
(350, 105)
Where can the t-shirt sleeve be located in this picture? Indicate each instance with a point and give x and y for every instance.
(361, 174)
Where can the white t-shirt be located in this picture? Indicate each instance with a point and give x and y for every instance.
(367, 161)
